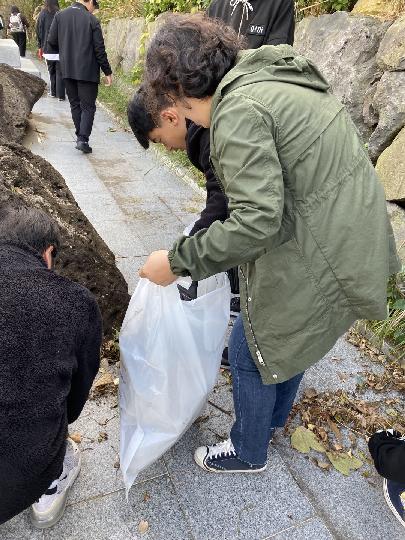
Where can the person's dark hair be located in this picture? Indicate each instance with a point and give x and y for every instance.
(14, 10)
(139, 118)
(143, 112)
(52, 6)
(27, 225)
(190, 55)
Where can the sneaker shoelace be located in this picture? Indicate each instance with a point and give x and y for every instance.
(224, 448)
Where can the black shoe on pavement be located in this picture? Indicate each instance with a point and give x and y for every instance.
(84, 147)
(222, 458)
(235, 306)
(225, 360)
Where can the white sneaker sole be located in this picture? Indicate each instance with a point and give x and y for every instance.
(46, 524)
(200, 460)
(391, 506)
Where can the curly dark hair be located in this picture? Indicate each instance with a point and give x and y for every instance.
(190, 54)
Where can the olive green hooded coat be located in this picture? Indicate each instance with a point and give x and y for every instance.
(308, 225)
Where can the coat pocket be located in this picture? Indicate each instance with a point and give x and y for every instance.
(285, 292)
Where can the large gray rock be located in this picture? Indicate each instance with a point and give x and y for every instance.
(384, 108)
(391, 54)
(115, 35)
(132, 52)
(397, 217)
(122, 41)
(391, 169)
(9, 53)
(344, 48)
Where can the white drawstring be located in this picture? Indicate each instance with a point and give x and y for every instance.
(245, 10)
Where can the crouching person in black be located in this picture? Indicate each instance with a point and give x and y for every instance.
(50, 337)
(387, 449)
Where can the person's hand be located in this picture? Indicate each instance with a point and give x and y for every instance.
(157, 269)
(40, 55)
(108, 80)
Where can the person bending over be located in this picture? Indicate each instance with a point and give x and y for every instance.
(387, 449)
(50, 338)
(308, 222)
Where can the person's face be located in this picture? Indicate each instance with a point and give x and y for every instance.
(196, 110)
(172, 130)
(91, 7)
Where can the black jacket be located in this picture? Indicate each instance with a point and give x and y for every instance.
(198, 151)
(388, 452)
(44, 23)
(50, 337)
(76, 34)
(270, 22)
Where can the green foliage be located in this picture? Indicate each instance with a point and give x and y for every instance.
(152, 8)
(120, 9)
(393, 328)
(319, 7)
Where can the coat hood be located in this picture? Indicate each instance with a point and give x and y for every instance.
(273, 64)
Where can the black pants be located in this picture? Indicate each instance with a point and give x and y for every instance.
(82, 97)
(55, 75)
(21, 39)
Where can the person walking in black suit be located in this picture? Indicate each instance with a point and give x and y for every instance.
(77, 35)
(44, 22)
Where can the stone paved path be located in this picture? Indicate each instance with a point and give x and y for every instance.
(137, 205)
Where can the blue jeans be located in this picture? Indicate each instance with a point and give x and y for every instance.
(259, 408)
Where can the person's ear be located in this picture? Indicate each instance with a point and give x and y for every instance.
(47, 256)
(170, 115)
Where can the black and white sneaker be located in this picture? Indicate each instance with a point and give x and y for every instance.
(51, 506)
(394, 494)
(222, 458)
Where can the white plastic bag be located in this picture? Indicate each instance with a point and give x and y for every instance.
(170, 357)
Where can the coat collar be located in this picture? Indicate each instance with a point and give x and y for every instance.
(18, 255)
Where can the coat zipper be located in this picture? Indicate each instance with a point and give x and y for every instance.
(258, 353)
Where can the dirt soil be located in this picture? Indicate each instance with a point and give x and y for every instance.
(19, 92)
(84, 257)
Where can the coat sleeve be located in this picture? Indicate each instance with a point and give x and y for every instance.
(245, 149)
(388, 453)
(88, 361)
(38, 30)
(99, 48)
(216, 207)
(53, 35)
(282, 29)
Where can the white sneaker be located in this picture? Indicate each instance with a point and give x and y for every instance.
(50, 507)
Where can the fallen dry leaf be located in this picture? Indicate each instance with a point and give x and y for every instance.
(76, 437)
(303, 440)
(323, 464)
(344, 463)
(102, 436)
(143, 526)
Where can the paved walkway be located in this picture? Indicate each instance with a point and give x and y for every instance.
(137, 205)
